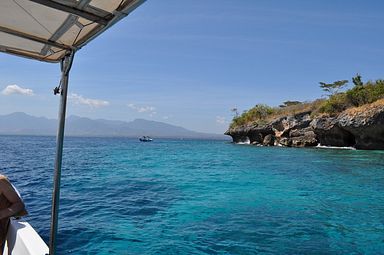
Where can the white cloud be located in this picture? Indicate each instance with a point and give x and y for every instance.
(14, 89)
(143, 109)
(94, 103)
(221, 120)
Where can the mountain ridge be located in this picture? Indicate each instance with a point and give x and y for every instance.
(20, 123)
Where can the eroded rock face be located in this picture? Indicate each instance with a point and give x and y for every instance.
(239, 135)
(362, 128)
(254, 134)
(257, 135)
(329, 133)
(303, 137)
(269, 140)
(366, 125)
(283, 125)
(287, 142)
(304, 141)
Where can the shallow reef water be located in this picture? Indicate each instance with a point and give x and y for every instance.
(120, 196)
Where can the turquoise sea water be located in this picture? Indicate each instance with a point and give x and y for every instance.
(120, 196)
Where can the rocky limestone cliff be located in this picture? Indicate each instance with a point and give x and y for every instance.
(362, 128)
(365, 124)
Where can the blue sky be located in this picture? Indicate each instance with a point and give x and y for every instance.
(188, 63)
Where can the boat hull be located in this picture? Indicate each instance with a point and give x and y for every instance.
(22, 239)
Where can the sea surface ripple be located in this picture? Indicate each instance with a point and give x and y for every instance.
(120, 196)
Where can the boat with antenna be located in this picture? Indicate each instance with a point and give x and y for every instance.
(53, 31)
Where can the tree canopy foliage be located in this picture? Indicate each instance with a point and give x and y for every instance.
(357, 80)
(289, 103)
(333, 88)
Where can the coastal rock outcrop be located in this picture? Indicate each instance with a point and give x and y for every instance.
(362, 128)
(286, 131)
(269, 140)
(329, 133)
(303, 137)
(239, 135)
(253, 134)
(283, 125)
(365, 124)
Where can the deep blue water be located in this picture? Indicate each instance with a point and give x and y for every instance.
(120, 196)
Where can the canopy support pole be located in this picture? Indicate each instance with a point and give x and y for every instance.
(66, 64)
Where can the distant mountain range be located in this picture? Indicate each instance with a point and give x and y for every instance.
(20, 123)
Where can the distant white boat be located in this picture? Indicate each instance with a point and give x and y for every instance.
(145, 139)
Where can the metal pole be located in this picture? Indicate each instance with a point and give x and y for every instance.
(66, 64)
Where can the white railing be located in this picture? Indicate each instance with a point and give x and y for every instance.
(22, 239)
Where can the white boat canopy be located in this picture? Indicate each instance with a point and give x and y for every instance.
(47, 30)
(52, 31)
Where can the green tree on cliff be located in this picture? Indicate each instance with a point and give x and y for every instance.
(357, 80)
(333, 88)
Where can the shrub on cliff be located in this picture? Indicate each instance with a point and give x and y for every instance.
(256, 114)
(335, 104)
(366, 94)
(359, 95)
(262, 114)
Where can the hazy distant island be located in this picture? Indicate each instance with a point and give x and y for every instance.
(20, 123)
(353, 118)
